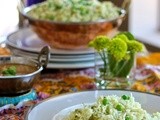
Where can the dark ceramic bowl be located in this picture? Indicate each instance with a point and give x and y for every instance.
(72, 35)
(27, 72)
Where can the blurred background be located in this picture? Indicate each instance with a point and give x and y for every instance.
(143, 21)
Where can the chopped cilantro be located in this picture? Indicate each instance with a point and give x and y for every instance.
(10, 71)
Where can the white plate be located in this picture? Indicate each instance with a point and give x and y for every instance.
(50, 107)
(52, 58)
(62, 61)
(62, 114)
(60, 58)
(26, 39)
(73, 65)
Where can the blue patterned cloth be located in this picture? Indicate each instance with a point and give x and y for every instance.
(16, 99)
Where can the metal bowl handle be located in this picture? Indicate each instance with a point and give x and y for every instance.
(20, 5)
(44, 56)
(125, 5)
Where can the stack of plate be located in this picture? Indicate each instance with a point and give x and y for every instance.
(26, 43)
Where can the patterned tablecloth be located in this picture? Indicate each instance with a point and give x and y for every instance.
(54, 82)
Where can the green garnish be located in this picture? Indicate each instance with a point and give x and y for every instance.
(105, 101)
(108, 111)
(10, 71)
(128, 117)
(125, 97)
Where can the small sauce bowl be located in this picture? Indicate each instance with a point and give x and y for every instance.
(27, 72)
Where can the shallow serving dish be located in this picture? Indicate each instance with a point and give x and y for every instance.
(72, 35)
(48, 108)
(27, 72)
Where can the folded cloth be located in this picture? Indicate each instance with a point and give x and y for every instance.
(148, 73)
(152, 59)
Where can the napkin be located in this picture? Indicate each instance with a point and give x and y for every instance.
(148, 73)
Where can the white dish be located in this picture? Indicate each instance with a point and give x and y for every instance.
(61, 56)
(26, 39)
(74, 58)
(63, 113)
(56, 61)
(50, 107)
(62, 62)
(73, 65)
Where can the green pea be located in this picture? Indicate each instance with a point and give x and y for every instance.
(119, 107)
(105, 101)
(125, 97)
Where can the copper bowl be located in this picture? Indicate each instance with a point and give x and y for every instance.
(20, 83)
(72, 35)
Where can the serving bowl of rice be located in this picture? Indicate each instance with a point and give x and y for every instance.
(105, 102)
(109, 107)
(72, 24)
